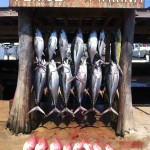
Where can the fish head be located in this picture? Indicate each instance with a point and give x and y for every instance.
(102, 35)
(79, 33)
(63, 33)
(43, 144)
(93, 34)
(53, 33)
(38, 33)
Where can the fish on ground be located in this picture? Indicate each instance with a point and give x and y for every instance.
(56, 145)
(42, 145)
(31, 143)
(38, 44)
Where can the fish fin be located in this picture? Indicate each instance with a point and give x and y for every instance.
(36, 108)
(32, 87)
(87, 92)
(67, 110)
(76, 77)
(117, 92)
(72, 91)
(71, 79)
(111, 110)
(120, 70)
(101, 93)
(80, 108)
(59, 91)
(53, 111)
(92, 110)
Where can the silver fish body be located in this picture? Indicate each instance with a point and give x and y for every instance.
(77, 50)
(101, 44)
(38, 44)
(53, 84)
(52, 44)
(63, 44)
(112, 81)
(39, 85)
(92, 45)
(80, 86)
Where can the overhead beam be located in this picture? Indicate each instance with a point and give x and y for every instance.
(8, 13)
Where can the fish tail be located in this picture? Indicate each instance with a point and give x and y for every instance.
(36, 108)
(75, 78)
(53, 111)
(68, 111)
(80, 108)
(92, 110)
(110, 109)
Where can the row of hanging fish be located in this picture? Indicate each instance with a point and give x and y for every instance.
(35, 144)
(80, 72)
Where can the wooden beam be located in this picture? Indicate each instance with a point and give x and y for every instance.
(8, 13)
(125, 119)
(143, 14)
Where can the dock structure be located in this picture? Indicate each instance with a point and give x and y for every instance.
(17, 24)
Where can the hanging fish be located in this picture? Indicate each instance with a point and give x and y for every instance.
(112, 80)
(66, 75)
(101, 44)
(38, 44)
(80, 86)
(95, 84)
(92, 45)
(52, 44)
(116, 46)
(77, 48)
(53, 84)
(63, 44)
(39, 85)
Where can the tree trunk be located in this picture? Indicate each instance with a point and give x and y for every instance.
(125, 120)
(19, 121)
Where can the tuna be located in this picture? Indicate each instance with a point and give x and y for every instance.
(77, 50)
(112, 80)
(52, 44)
(31, 143)
(38, 44)
(39, 85)
(66, 76)
(80, 86)
(63, 44)
(53, 84)
(92, 45)
(95, 84)
(101, 44)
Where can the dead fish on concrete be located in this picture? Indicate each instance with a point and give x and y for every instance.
(66, 75)
(53, 84)
(39, 85)
(112, 81)
(80, 86)
(92, 45)
(77, 51)
(96, 79)
(63, 44)
(101, 44)
(38, 44)
(52, 44)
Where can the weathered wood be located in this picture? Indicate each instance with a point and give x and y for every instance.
(19, 121)
(125, 120)
(8, 13)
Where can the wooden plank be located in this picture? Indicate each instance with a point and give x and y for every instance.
(78, 3)
(8, 13)
(143, 13)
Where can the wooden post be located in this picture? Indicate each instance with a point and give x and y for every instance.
(19, 121)
(125, 120)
